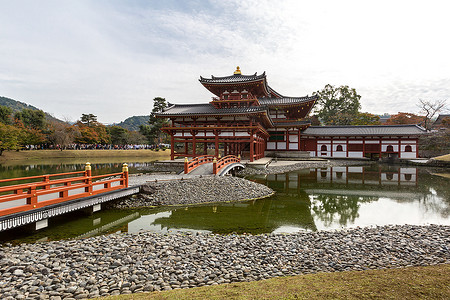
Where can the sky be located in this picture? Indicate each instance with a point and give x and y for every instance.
(111, 58)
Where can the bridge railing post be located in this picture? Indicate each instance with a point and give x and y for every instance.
(186, 165)
(239, 158)
(88, 173)
(32, 200)
(215, 166)
(125, 174)
(46, 179)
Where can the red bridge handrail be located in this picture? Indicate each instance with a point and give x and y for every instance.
(189, 165)
(225, 161)
(41, 176)
(31, 191)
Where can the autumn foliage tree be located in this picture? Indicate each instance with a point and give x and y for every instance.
(404, 118)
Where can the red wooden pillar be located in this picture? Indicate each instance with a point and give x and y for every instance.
(194, 145)
(287, 139)
(364, 148)
(216, 143)
(346, 148)
(251, 146)
(172, 146)
(399, 147)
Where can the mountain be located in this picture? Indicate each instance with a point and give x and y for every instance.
(17, 106)
(133, 123)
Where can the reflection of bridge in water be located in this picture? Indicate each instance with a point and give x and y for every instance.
(258, 216)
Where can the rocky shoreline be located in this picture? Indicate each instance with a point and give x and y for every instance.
(129, 263)
(272, 169)
(195, 191)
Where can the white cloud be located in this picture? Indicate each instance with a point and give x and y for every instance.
(112, 58)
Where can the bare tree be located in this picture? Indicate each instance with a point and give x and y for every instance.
(429, 109)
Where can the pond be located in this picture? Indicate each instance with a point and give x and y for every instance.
(309, 199)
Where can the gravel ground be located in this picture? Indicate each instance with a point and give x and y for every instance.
(195, 191)
(129, 263)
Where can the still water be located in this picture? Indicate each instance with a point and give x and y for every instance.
(310, 199)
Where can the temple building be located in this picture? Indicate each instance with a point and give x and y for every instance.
(249, 118)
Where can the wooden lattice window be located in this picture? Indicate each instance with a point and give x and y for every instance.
(390, 148)
(323, 148)
(408, 148)
(339, 148)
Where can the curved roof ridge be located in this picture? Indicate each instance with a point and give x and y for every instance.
(234, 77)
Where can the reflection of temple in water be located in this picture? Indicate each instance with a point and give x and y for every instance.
(350, 180)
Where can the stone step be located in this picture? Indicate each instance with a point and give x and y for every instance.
(287, 154)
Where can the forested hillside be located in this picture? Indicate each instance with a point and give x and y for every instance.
(17, 106)
(133, 123)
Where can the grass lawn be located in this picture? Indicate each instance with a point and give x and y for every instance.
(57, 154)
(431, 282)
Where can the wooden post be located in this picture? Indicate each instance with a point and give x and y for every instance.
(47, 179)
(125, 174)
(215, 166)
(216, 143)
(251, 147)
(32, 200)
(172, 146)
(88, 173)
(186, 165)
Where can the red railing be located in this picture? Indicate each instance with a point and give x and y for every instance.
(25, 196)
(189, 165)
(224, 161)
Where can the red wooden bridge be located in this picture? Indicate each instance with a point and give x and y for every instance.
(32, 200)
(219, 166)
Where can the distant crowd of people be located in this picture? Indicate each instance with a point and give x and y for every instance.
(96, 147)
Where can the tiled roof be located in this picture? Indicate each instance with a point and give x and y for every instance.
(285, 100)
(274, 93)
(374, 130)
(232, 78)
(207, 109)
(291, 124)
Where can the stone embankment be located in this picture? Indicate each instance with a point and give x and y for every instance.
(275, 168)
(129, 263)
(195, 191)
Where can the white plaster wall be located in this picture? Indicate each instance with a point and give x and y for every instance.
(355, 154)
(281, 145)
(293, 138)
(355, 142)
(340, 154)
(355, 169)
(408, 154)
(270, 146)
(372, 142)
(293, 146)
(312, 153)
(340, 169)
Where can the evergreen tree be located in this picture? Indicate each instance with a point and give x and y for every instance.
(337, 105)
